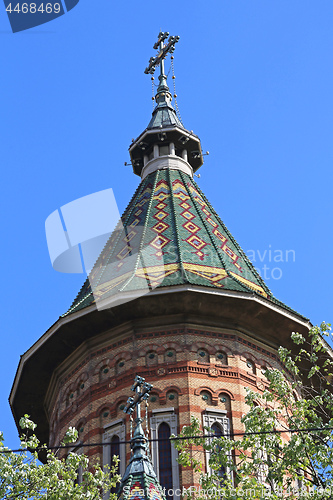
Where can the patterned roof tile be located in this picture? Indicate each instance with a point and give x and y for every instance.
(170, 235)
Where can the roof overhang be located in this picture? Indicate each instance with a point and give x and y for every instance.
(248, 313)
(183, 139)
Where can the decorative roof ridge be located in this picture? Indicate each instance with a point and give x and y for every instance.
(248, 261)
(271, 295)
(183, 270)
(204, 223)
(224, 265)
(245, 257)
(86, 283)
(142, 236)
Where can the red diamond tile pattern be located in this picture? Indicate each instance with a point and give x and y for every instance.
(187, 215)
(190, 226)
(160, 227)
(159, 242)
(196, 242)
(160, 215)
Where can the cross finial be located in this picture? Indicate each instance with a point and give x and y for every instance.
(163, 93)
(164, 50)
(142, 390)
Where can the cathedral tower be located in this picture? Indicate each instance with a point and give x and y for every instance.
(172, 298)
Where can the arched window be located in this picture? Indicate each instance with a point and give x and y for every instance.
(121, 366)
(170, 356)
(80, 388)
(80, 427)
(251, 366)
(104, 373)
(162, 424)
(151, 358)
(164, 458)
(206, 397)
(263, 370)
(69, 397)
(114, 437)
(224, 401)
(221, 357)
(115, 447)
(203, 356)
(218, 422)
(216, 430)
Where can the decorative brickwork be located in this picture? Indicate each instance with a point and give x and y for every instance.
(181, 377)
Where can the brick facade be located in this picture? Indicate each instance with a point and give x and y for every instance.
(191, 368)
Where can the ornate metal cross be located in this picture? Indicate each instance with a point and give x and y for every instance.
(164, 49)
(142, 390)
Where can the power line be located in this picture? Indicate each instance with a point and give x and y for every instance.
(176, 438)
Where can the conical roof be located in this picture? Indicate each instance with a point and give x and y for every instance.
(169, 235)
(182, 241)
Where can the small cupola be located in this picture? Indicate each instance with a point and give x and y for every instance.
(165, 143)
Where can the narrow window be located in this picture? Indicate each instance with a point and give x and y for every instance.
(262, 466)
(164, 458)
(218, 422)
(115, 451)
(165, 422)
(114, 437)
(217, 431)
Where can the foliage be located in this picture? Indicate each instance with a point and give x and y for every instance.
(272, 464)
(23, 477)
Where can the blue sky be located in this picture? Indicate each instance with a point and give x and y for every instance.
(254, 80)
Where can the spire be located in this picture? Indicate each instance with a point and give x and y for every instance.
(165, 135)
(164, 114)
(139, 478)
